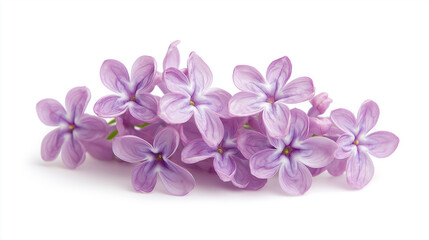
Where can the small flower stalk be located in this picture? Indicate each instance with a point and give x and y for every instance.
(244, 139)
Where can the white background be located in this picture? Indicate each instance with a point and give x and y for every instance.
(352, 50)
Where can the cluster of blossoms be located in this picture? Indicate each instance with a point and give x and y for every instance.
(245, 139)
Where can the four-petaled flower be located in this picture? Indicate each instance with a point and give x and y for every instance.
(290, 156)
(192, 96)
(355, 143)
(269, 95)
(155, 161)
(134, 94)
(75, 127)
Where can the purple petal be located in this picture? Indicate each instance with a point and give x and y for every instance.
(345, 146)
(178, 82)
(143, 73)
(209, 125)
(381, 144)
(72, 153)
(51, 144)
(50, 112)
(76, 101)
(145, 107)
(100, 149)
(242, 175)
(344, 120)
(172, 57)
(132, 149)
(110, 106)
(298, 90)
(90, 128)
(337, 167)
(276, 120)
(360, 169)
(250, 142)
(166, 142)
(144, 176)
(217, 100)
(319, 126)
(189, 131)
(299, 124)
(175, 108)
(245, 104)
(265, 163)
(295, 181)
(367, 116)
(114, 75)
(279, 71)
(319, 103)
(315, 152)
(177, 180)
(199, 73)
(224, 166)
(248, 79)
(316, 171)
(197, 150)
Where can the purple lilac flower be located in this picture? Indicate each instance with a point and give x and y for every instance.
(228, 162)
(269, 96)
(74, 127)
(290, 156)
(133, 94)
(192, 96)
(355, 144)
(155, 161)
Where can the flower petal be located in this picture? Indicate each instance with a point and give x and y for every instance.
(296, 91)
(72, 153)
(345, 146)
(144, 176)
(297, 181)
(337, 167)
(250, 142)
(189, 131)
(197, 150)
(344, 120)
(299, 124)
(315, 152)
(110, 106)
(381, 144)
(279, 72)
(242, 175)
(100, 149)
(177, 82)
(114, 75)
(248, 79)
(166, 141)
(316, 171)
(209, 125)
(51, 144)
(217, 100)
(367, 116)
(90, 128)
(172, 57)
(360, 169)
(145, 108)
(143, 73)
(176, 179)
(132, 149)
(245, 104)
(276, 120)
(175, 108)
(319, 125)
(199, 73)
(224, 166)
(50, 112)
(265, 163)
(319, 103)
(76, 101)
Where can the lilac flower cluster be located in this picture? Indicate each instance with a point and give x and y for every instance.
(245, 139)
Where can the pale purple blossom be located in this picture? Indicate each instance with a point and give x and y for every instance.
(74, 127)
(356, 143)
(155, 161)
(269, 96)
(132, 94)
(191, 96)
(291, 155)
